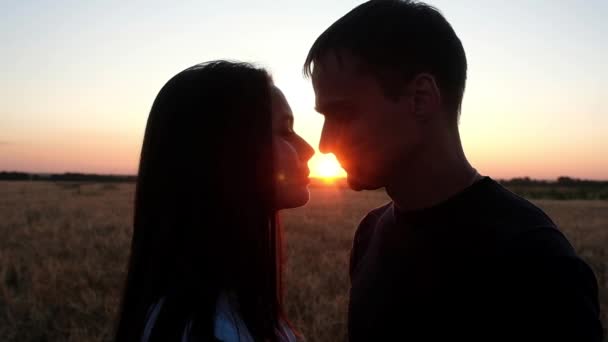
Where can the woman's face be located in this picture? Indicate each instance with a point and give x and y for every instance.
(291, 155)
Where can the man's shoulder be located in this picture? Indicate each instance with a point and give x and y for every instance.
(514, 224)
(364, 233)
(369, 222)
(502, 204)
(375, 214)
(515, 218)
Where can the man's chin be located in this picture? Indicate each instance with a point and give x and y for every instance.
(359, 185)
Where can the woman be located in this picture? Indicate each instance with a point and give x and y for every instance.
(219, 159)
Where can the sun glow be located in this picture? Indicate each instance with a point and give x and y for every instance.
(326, 166)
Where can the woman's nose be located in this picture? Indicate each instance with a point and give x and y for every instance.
(305, 150)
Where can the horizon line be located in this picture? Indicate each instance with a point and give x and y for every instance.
(312, 177)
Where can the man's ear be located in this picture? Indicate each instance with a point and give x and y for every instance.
(426, 96)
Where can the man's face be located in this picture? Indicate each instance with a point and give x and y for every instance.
(372, 136)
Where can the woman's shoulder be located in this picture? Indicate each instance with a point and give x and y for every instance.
(151, 317)
(228, 323)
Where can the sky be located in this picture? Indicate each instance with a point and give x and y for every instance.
(78, 78)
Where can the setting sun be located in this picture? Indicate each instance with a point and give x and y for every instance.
(326, 166)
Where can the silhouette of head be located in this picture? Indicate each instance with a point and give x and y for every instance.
(386, 76)
(219, 158)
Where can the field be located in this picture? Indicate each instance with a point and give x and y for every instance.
(64, 246)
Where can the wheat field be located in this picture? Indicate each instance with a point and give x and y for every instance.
(64, 247)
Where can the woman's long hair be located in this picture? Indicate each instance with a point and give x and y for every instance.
(205, 220)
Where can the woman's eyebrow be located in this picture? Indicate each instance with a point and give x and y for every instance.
(288, 118)
(285, 119)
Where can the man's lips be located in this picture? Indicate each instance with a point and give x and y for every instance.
(343, 162)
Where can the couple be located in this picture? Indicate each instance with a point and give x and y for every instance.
(454, 256)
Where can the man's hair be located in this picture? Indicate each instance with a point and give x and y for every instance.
(396, 40)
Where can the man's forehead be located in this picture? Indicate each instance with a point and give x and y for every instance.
(335, 78)
(333, 65)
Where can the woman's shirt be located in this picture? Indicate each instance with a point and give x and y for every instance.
(228, 324)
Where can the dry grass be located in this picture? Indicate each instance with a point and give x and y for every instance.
(64, 247)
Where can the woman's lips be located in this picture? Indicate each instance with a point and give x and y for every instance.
(304, 176)
(295, 176)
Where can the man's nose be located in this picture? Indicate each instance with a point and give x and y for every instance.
(328, 139)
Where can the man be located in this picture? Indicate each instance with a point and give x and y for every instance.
(454, 256)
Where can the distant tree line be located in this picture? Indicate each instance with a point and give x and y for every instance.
(562, 181)
(564, 188)
(66, 177)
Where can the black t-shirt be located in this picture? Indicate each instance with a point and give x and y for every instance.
(484, 265)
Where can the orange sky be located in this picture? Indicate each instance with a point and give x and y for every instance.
(82, 76)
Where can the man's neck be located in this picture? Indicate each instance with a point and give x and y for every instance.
(432, 180)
